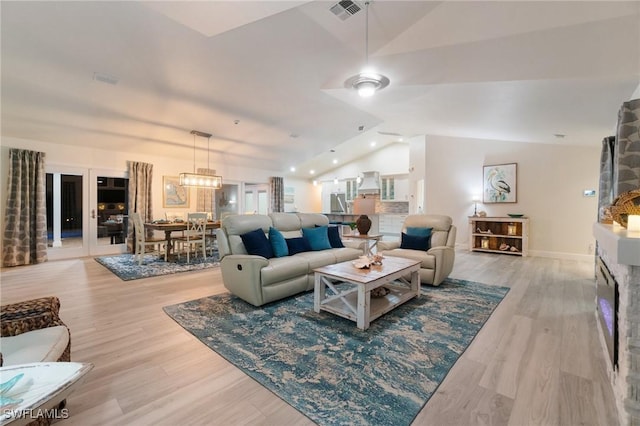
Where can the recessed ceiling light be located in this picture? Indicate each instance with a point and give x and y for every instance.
(293, 169)
(312, 172)
(373, 143)
(335, 161)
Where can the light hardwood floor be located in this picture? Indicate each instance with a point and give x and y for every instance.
(536, 361)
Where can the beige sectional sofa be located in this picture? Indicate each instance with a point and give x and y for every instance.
(259, 280)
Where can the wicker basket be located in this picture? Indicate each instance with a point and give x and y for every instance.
(626, 204)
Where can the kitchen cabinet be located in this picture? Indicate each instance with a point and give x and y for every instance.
(391, 224)
(394, 188)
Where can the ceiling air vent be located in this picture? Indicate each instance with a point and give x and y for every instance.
(345, 9)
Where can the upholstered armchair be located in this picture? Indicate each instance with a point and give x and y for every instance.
(32, 331)
(435, 253)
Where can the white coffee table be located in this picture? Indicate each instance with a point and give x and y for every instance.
(355, 301)
(32, 389)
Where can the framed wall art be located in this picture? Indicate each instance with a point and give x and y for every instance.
(500, 183)
(173, 194)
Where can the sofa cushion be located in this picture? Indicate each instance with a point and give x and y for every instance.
(283, 269)
(415, 242)
(297, 245)
(334, 237)
(346, 253)
(285, 222)
(317, 259)
(43, 345)
(257, 244)
(309, 220)
(318, 238)
(278, 243)
(427, 261)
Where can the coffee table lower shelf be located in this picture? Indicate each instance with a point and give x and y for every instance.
(378, 306)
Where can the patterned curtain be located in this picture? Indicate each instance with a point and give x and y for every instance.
(206, 196)
(140, 190)
(276, 186)
(626, 172)
(605, 190)
(25, 235)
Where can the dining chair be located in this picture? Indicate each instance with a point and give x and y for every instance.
(142, 242)
(194, 235)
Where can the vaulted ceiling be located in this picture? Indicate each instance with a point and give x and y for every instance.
(266, 78)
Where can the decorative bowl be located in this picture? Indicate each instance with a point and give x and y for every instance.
(515, 214)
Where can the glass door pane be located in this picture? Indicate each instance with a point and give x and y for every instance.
(112, 210)
(226, 200)
(263, 202)
(64, 210)
(108, 201)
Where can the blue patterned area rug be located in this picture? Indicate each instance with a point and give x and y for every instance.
(126, 267)
(333, 372)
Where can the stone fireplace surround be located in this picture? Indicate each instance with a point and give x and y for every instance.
(620, 252)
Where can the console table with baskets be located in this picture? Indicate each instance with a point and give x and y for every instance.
(505, 235)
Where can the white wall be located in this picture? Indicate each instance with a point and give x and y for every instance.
(390, 160)
(86, 158)
(551, 179)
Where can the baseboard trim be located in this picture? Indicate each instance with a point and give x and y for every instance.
(564, 256)
(549, 254)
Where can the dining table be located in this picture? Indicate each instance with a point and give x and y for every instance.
(170, 227)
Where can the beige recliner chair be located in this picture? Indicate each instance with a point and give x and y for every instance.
(436, 263)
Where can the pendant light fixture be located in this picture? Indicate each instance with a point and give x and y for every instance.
(198, 179)
(367, 82)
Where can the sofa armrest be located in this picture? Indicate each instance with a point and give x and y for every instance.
(445, 256)
(18, 318)
(388, 245)
(241, 276)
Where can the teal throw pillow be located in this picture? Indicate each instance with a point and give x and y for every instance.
(413, 242)
(257, 244)
(278, 243)
(318, 238)
(419, 232)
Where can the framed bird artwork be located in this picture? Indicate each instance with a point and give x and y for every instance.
(499, 183)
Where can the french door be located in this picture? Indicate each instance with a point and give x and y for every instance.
(75, 201)
(256, 198)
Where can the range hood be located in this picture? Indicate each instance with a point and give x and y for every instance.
(370, 183)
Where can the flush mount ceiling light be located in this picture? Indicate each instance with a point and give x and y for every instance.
(367, 82)
(200, 179)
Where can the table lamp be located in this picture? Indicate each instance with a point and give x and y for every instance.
(475, 200)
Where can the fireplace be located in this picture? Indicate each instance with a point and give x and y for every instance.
(607, 308)
(618, 313)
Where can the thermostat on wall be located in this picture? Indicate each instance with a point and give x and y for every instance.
(589, 193)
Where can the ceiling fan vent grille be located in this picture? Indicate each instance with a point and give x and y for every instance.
(345, 9)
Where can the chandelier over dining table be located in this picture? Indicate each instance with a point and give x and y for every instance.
(200, 179)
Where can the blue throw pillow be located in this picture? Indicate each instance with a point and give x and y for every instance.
(256, 243)
(318, 238)
(419, 232)
(415, 243)
(278, 243)
(297, 245)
